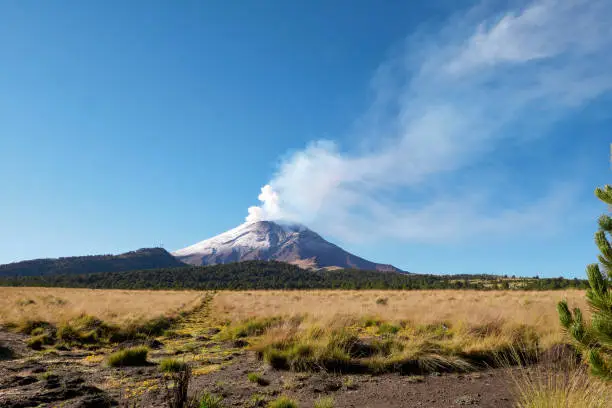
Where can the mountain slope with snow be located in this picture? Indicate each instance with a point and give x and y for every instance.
(267, 240)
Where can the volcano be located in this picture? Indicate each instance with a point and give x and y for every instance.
(268, 240)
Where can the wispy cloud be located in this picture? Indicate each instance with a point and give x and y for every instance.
(441, 105)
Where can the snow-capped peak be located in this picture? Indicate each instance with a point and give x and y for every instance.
(253, 235)
(271, 240)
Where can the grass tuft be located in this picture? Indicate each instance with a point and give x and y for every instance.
(324, 402)
(28, 326)
(135, 356)
(257, 379)
(170, 365)
(210, 401)
(283, 402)
(37, 342)
(561, 383)
(257, 400)
(382, 301)
(250, 327)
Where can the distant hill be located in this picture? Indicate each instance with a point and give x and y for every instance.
(279, 275)
(146, 258)
(275, 241)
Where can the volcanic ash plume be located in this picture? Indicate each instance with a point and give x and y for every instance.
(269, 208)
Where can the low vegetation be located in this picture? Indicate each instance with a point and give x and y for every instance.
(495, 313)
(594, 338)
(324, 402)
(560, 382)
(19, 306)
(210, 401)
(134, 356)
(257, 379)
(283, 402)
(409, 332)
(359, 347)
(68, 329)
(343, 331)
(85, 331)
(170, 365)
(37, 342)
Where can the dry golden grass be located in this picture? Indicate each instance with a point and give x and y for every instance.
(382, 331)
(469, 308)
(561, 384)
(56, 305)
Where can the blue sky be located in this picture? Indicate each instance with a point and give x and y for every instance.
(437, 137)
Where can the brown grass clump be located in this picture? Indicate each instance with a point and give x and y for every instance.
(560, 382)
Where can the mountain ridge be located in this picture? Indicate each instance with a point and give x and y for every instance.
(269, 240)
(144, 258)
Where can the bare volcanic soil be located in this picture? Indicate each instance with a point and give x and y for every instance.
(80, 378)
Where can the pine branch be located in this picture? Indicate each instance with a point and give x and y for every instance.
(604, 194)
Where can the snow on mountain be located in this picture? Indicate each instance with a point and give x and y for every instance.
(267, 240)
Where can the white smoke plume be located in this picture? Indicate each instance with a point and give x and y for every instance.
(447, 101)
(269, 209)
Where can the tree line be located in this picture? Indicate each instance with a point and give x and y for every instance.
(278, 275)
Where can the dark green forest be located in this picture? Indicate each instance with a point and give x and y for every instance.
(279, 275)
(145, 258)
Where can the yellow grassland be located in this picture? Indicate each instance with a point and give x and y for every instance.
(536, 309)
(55, 305)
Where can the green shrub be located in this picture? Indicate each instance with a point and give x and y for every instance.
(67, 333)
(210, 401)
(257, 379)
(86, 329)
(134, 356)
(324, 402)
(283, 402)
(257, 400)
(170, 365)
(37, 342)
(28, 326)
